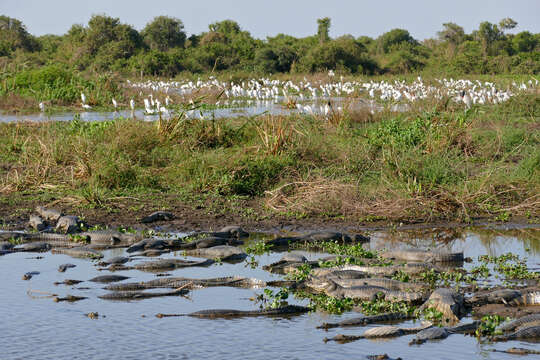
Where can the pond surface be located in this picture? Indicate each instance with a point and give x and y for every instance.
(236, 109)
(38, 328)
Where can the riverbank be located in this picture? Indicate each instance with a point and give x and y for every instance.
(438, 165)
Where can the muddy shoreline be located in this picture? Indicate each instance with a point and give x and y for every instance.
(188, 218)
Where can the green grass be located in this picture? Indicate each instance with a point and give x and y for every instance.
(422, 165)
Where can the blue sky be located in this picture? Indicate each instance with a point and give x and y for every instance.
(423, 18)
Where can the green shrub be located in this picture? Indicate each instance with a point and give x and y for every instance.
(254, 176)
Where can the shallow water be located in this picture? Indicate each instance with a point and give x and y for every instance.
(38, 328)
(243, 108)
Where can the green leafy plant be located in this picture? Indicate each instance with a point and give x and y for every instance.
(380, 306)
(300, 273)
(488, 325)
(270, 299)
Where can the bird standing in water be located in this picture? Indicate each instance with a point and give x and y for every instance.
(132, 106)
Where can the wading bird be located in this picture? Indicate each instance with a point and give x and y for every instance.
(466, 99)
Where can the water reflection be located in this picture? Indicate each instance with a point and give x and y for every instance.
(474, 242)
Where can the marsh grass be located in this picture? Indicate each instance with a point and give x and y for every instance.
(435, 162)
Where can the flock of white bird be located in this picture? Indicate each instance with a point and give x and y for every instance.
(467, 91)
(266, 90)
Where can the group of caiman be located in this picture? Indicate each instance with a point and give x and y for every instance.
(69, 235)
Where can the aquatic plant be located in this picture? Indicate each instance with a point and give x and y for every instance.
(488, 325)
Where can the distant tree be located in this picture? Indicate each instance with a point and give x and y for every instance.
(487, 34)
(392, 39)
(228, 28)
(13, 35)
(452, 33)
(275, 59)
(343, 54)
(323, 29)
(164, 33)
(469, 59)
(524, 42)
(76, 33)
(104, 42)
(193, 41)
(366, 41)
(100, 31)
(507, 24)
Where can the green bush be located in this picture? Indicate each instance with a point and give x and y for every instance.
(254, 176)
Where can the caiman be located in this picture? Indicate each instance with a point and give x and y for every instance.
(68, 224)
(502, 296)
(317, 237)
(382, 282)
(531, 298)
(6, 247)
(366, 320)
(227, 232)
(37, 223)
(514, 324)
(161, 265)
(518, 351)
(114, 260)
(43, 236)
(222, 252)
(79, 252)
(157, 216)
(364, 292)
(33, 247)
(434, 333)
(525, 333)
(111, 238)
(64, 267)
(69, 298)
(108, 278)
(418, 255)
(147, 244)
(209, 241)
(235, 231)
(449, 302)
(48, 214)
(288, 310)
(369, 270)
(139, 295)
(338, 273)
(176, 282)
(379, 332)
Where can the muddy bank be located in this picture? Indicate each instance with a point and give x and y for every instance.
(188, 217)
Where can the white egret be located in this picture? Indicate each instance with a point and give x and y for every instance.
(147, 108)
(132, 104)
(83, 98)
(42, 106)
(115, 104)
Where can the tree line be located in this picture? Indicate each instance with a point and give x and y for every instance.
(162, 48)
